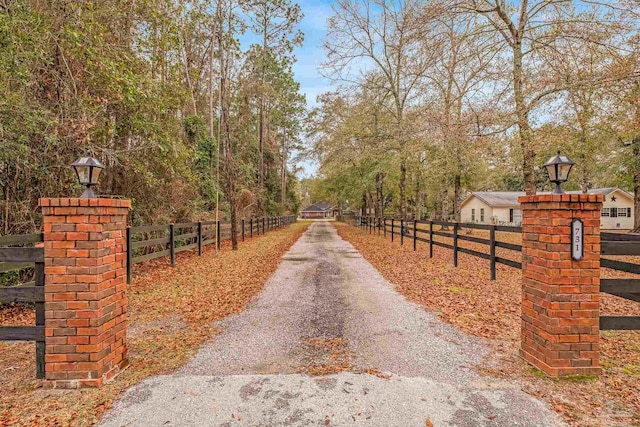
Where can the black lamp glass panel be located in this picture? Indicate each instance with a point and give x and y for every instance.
(83, 173)
(563, 173)
(552, 171)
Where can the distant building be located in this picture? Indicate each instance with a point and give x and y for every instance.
(502, 208)
(317, 210)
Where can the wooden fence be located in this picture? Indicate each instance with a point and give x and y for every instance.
(15, 255)
(611, 244)
(25, 264)
(424, 231)
(149, 242)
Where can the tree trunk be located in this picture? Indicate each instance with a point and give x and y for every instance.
(261, 132)
(283, 176)
(261, 145)
(6, 209)
(230, 185)
(370, 202)
(378, 195)
(403, 189)
(211, 103)
(456, 196)
(364, 204)
(382, 176)
(444, 196)
(636, 183)
(524, 129)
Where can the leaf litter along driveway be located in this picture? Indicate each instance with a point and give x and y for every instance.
(329, 341)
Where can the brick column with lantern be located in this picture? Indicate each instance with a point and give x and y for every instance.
(85, 285)
(561, 278)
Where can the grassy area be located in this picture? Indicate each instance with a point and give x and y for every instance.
(465, 297)
(171, 311)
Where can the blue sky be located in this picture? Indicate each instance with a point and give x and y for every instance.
(309, 56)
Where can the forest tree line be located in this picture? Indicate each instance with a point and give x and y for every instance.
(190, 104)
(438, 98)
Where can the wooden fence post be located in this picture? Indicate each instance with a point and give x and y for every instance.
(492, 250)
(218, 233)
(430, 239)
(455, 244)
(172, 244)
(200, 238)
(415, 233)
(251, 227)
(392, 228)
(129, 254)
(402, 232)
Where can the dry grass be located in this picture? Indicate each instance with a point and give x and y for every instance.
(466, 297)
(170, 315)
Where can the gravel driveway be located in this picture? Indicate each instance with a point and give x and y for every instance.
(382, 360)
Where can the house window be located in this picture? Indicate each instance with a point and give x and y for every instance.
(517, 216)
(482, 215)
(629, 212)
(622, 212)
(605, 212)
(613, 212)
(511, 215)
(473, 215)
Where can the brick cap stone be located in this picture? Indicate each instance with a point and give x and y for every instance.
(77, 202)
(559, 198)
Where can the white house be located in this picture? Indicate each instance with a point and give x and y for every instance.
(502, 208)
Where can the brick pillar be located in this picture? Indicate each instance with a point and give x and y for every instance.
(85, 290)
(560, 296)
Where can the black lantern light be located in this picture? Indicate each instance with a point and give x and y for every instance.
(88, 171)
(558, 168)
